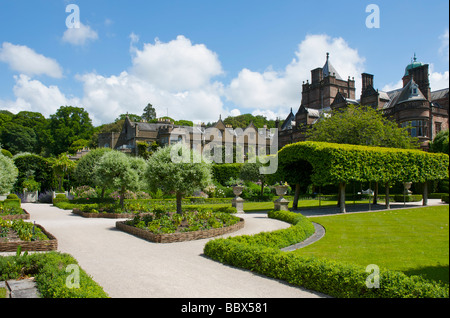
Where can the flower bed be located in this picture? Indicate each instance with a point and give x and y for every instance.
(106, 215)
(170, 228)
(30, 237)
(15, 215)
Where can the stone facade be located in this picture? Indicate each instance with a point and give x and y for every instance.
(165, 133)
(414, 105)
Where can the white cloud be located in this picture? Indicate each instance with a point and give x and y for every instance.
(33, 95)
(177, 65)
(282, 89)
(79, 36)
(439, 80)
(392, 86)
(235, 112)
(107, 97)
(22, 59)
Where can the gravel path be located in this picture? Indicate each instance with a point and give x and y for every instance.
(127, 266)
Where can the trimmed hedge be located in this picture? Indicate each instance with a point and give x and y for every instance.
(223, 172)
(444, 198)
(261, 253)
(49, 271)
(334, 163)
(12, 200)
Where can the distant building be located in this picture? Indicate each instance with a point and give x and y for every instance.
(414, 105)
(164, 132)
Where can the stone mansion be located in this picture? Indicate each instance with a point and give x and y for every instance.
(413, 105)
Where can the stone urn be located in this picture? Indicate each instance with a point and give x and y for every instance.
(238, 202)
(281, 190)
(237, 190)
(281, 204)
(407, 186)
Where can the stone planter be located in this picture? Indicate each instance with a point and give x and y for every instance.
(178, 237)
(281, 190)
(39, 246)
(238, 202)
(281, 204)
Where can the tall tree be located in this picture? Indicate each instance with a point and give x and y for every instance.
(17, 138)
(149, 113)
(360, 125)
(68, 125)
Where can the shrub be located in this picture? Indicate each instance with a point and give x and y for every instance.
(8, 174)
(60, 198)
(49, 270)
(12, 200)
(261, 253)
(223, 172)
(45, 197)
(444, 198)
(408, 198)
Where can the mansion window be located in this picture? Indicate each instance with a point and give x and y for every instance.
(416, 128)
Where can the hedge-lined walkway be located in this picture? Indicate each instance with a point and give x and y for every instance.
(126, 266)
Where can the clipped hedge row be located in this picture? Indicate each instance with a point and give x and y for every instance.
(261, 253)
(49, 271)
(334, 163)
(444, 198)
(223, 172)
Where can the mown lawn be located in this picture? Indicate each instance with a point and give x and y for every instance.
(414, 241)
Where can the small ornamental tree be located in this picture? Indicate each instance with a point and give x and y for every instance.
(84, 172)
(251, 172)
(116, 170)
(8, 174)
(177, 169)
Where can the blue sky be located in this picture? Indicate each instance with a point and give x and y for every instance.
(198, 59)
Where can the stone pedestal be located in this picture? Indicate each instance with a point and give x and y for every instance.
(281, 204)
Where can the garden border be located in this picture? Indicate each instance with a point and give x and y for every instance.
(24, 216)
(36, 246)
(181, 236)
(106, 215)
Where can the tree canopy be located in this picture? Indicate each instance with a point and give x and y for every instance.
(8, 174)
(339, 164)
(67, 125)
(181, 178)
(360, 125)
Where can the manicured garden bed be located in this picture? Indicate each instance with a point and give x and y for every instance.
(170, 228)
(30, 237)
(14, 213)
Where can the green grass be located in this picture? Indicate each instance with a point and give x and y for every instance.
(2, 292)
(265, 206)
(414, 241)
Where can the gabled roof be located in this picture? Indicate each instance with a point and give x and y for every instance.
(287, 122)
(404, 94)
